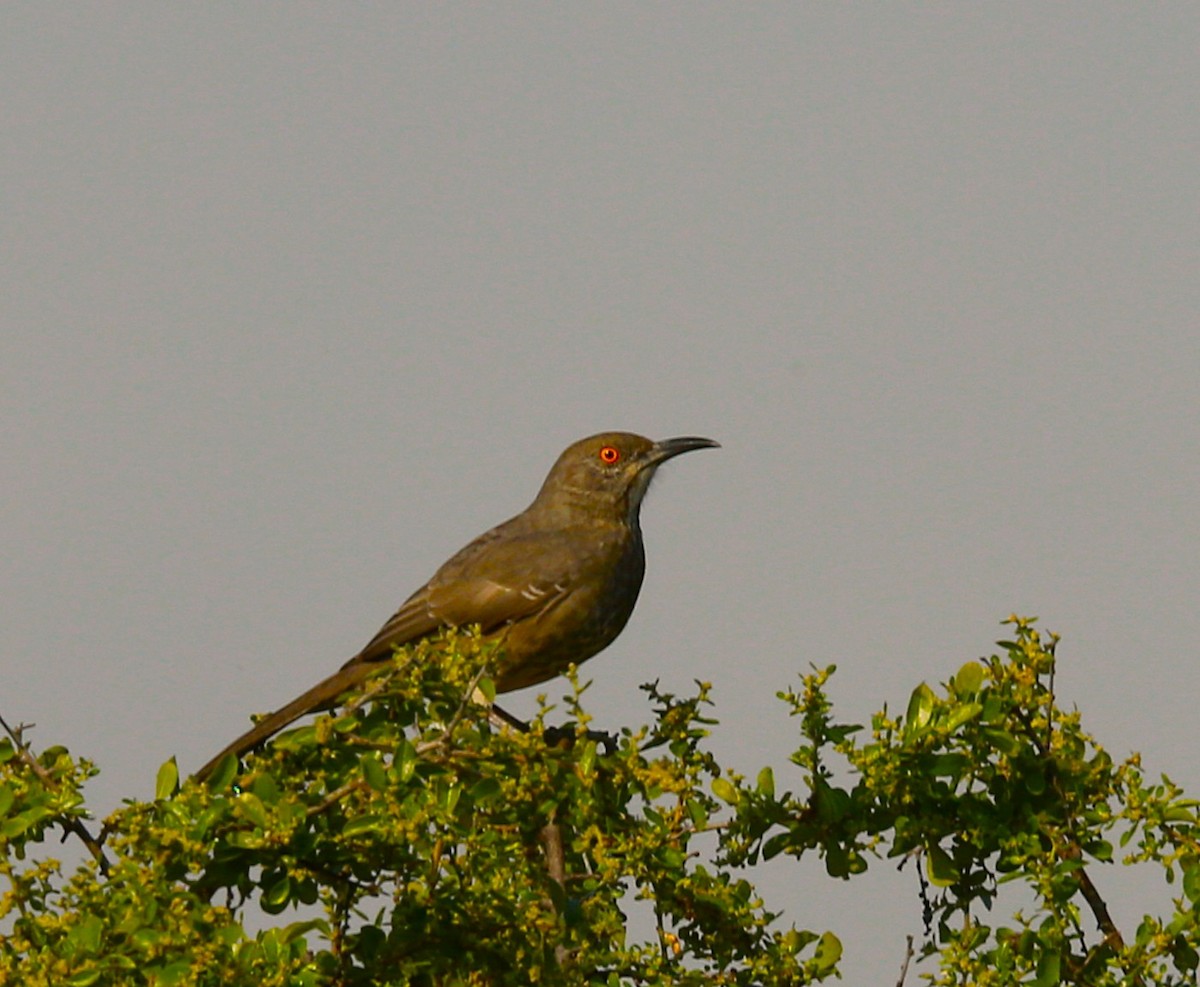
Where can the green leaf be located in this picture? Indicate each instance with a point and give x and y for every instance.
(829, 951)
(85, 937)
(170, 974)
(306, 891)
(1184, 956)
(993, 708)
(1048, 968)
(836, 734)
(298, 739)
(167, 782)
(373, 772)
(776, 845)
(832, 803)
(1191, 880)
(147, 940)
(223, 773)
(364, 824)
(266, 789)
(939, 866)
(276, 896)
(969, 679)
(484, 790)
(85, 978)
(449, 795)
(671, 858)
(251, 808)
(952, 765)
(837, 861)
(795, 940)
(725, 791)
(405, 761)
(920, 709)
(1002, 740)
(6, 799)
(297, 929)
(766, 782)
(22, 821)
(961, 714)
(587, 758)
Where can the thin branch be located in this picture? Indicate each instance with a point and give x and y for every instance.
(1050, 707)
(336, 796)
(556, 863)
(556, 867)
(470, 696)
(70, 824)
(501, 718)
(1099, 907)
(908, 955)
(1112, 935)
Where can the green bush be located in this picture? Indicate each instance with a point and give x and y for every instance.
(431, 847)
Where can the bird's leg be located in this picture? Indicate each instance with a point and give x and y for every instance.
(501, 717)
(602, 738)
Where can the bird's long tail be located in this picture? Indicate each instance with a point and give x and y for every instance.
(321, 696)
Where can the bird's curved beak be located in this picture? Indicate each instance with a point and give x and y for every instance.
(669, 448)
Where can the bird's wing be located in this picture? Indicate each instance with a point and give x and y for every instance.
(491, 583)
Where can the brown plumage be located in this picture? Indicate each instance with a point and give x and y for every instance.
(556, 583)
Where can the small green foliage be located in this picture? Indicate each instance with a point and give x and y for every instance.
(990, 782)
(940, 866)
(418, 831)
(167, 782)
(409, 841)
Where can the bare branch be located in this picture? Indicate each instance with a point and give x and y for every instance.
(908, 955)
(69, 824)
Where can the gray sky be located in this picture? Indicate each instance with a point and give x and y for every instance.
(296, 300)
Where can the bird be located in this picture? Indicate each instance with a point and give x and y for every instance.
(554, 585)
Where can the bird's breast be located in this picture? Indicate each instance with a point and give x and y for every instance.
(585, 614)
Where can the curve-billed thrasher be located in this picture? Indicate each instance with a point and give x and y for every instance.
(555, 584)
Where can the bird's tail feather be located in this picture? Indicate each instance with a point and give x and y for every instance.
(321, 696)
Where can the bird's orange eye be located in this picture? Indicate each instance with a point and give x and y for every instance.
(610, 454)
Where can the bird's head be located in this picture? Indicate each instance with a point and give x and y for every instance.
(610, 472)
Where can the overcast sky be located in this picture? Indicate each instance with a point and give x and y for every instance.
(298, 299)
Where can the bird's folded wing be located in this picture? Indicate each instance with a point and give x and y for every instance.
(492, 592)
